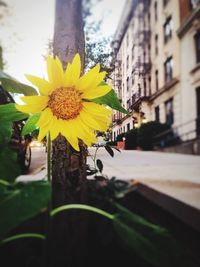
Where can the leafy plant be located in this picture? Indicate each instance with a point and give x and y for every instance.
(147, 133)
(131, 139)
(19, 202)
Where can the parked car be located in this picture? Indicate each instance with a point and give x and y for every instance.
(19, 144)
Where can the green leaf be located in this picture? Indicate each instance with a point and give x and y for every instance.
(109, 150)
(13, 86)
(5, 132)
(9, 168)
(30, 125)
(111, 100)
(8, 112)
(99, 165)
(20, 202)
(150, 242)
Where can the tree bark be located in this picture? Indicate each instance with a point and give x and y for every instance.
(68, 166)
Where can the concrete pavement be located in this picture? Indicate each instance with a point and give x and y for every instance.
(38, 165)
(175, 175)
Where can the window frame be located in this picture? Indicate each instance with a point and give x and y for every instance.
(197, 45)
(168, 23)
(169, 116)
(168, 75)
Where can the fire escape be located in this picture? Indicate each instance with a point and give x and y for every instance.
(142, 65)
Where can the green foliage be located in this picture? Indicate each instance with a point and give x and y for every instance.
(131, 139)
(109, 150)
(97, 46)
(147, 133)
(99, 165)
(13, 86)
(110, 100)
(9, 168)
(5, 132)
(150, 242)
(144, 136)
(19, 202)
(30, 125)
(8, 112)
(120, 137)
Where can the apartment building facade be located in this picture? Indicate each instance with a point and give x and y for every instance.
(132, 65)
(157, 52)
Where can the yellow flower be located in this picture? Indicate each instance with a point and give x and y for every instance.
(65, 102)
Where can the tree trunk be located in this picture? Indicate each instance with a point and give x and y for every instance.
(68, 166)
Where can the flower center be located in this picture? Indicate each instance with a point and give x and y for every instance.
(65, 103)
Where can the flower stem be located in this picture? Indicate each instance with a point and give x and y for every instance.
(82, 207)
(24, 235)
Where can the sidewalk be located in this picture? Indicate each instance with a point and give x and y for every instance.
(175, 175)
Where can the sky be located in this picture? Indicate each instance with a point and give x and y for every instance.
(27, 25)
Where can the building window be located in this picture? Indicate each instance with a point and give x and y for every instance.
(156, 80)
(149, 85)
(157, 113)
(128, 126)
(168, 29)
(169, 112)
(197, 45)
(168, 67)
(127, 62)
(193, 4)
(133, 51)
(127, 84)
(128, 104)
(114, 136)
(145, 86)
(127, 40)
(133, 77)
(198, 111)
(165, 2)
(156, 10)
(156, 44)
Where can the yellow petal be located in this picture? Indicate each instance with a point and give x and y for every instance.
(83, 132)
(97, 92)
(30, 108)
(54, 130)
(55, 72)
(45, 129)
(49, 68)
(96, 109)
(68, 81)
(44, 86)
(76, 68)
(45, 117)
(83, 83)
(92, 122)
(35, 100)
(69, 134)
(100, 77)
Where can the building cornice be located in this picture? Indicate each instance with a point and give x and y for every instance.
(165, 88)
(127, 14)
(186, 25)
